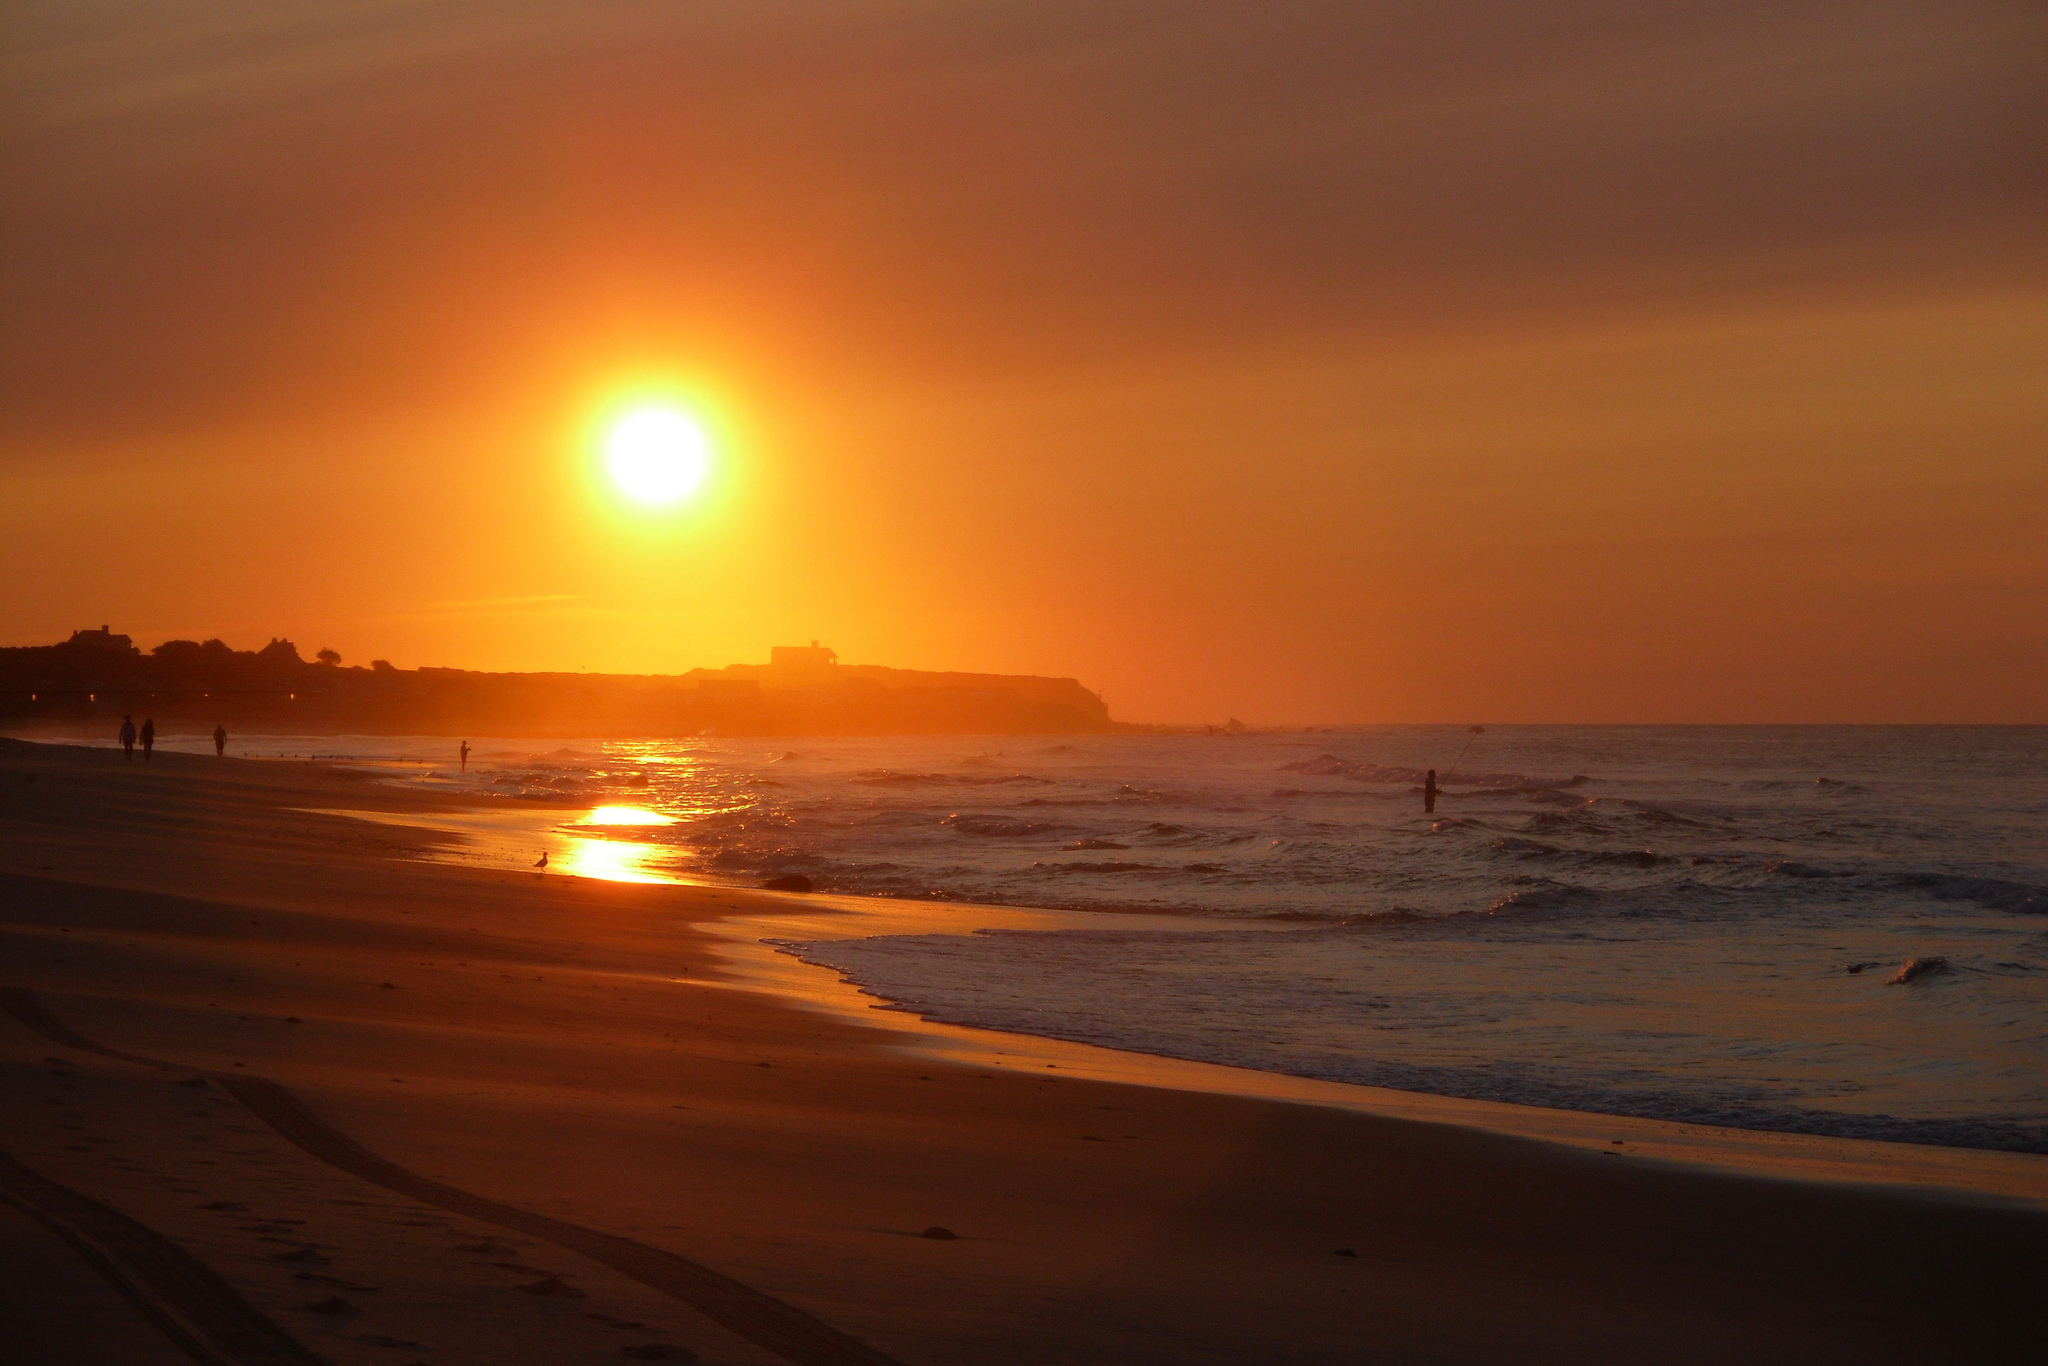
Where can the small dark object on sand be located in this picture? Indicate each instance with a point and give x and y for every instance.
(795, 882)
(387, 986)
(1345, 1252)
(940, 1233)
(336, 1281)
(658, 1351)
(1916, 968)
(293, 1019)
(552, 1286)
(334, 1304)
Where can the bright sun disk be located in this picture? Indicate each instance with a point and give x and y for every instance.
(656, 455)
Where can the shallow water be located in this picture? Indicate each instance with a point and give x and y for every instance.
(1656, 921)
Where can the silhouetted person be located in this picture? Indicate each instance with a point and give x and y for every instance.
(1429, 791)
(127, 737)
(148, 736)
(220, 741)
(465, 756)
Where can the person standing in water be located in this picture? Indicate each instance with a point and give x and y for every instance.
(220, 741)
(148, 736)
(128, 738)
(1429, 793)
(465, 756)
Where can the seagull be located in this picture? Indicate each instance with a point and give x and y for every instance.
(543, 859)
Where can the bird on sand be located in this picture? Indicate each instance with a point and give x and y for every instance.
(543, 859)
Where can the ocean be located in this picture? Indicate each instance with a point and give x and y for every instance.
(1705, 924)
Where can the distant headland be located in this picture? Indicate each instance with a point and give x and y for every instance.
(99, 675)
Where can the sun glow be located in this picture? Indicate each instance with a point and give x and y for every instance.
(625, 815)
(656, 455)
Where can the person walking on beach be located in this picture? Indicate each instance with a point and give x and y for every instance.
(128, 738)
(220, 741)
(465, 756)
(148, 736)
(1429, 793)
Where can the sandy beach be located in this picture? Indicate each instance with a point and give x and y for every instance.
(279, 1089)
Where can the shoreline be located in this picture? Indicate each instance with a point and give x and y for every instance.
(750, 948)
(2020, 1179)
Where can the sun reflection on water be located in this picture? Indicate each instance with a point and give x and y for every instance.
(624, 815)
(612, 858)
(609, 860)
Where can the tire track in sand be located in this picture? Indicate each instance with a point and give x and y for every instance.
(759, 1318)
(175, 1291)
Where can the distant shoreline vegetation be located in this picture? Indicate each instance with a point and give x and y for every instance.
(803, 690)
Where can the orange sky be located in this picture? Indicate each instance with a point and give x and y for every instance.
(1293, 361)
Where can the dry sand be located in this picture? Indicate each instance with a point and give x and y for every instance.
(276, 1085)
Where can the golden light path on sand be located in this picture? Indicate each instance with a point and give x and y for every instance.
(608, 860)
(516, 838)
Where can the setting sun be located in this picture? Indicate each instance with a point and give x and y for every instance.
(656, 455)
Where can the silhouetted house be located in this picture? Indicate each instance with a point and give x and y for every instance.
(102, 639)
(801, 665)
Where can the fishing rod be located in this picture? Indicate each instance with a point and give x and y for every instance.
(1477, 731)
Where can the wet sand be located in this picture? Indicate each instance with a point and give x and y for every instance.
(405, 1111)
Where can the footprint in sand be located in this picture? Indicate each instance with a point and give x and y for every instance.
(336, 1281)
(380, 1340)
